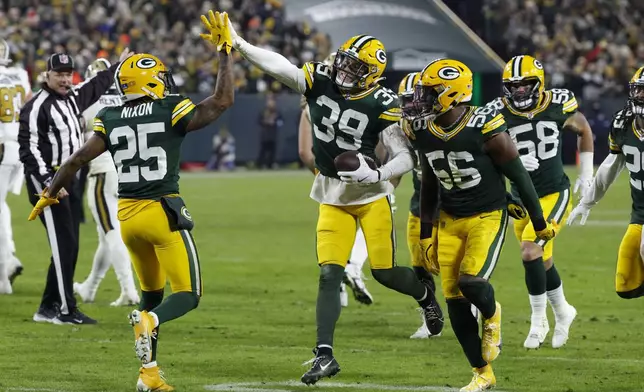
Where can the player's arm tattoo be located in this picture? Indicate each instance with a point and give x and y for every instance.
(429, 197)
(401, 156)
(222, 98)
(578, 124)
(92, 148)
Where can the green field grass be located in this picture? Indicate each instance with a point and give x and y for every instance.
(256, 322)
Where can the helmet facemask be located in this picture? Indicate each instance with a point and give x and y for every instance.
(523, 94)
(350, 72)
(636, 98)
(424, 103)
(407, 105)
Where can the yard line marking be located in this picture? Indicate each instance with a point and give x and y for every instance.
(33, 389)
(266, 387)
(585, 359)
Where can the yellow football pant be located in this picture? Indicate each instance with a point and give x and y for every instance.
(157, 252)
(555, 206)
(469, 246)
(629, 274)
(413, 243)
(336, 232)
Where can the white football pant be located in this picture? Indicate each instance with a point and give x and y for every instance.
(10, 172)
(358, 253)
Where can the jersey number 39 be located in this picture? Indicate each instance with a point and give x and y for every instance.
(137, 143)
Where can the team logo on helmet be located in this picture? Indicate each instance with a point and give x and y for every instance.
(537, 64)
(381, 56)
(185, 213)
(146, 63)
(449, 73)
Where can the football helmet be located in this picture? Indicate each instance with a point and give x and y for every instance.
(143, 75)
(443, 84)
(359, 63)
(97, 66)
(406, 90)
(523, 82)
(636, 92)
(5, 52)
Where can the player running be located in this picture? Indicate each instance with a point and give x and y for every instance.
(537, 119)
(626, 146)
(350, 111)
(465, 153)
(144, 136)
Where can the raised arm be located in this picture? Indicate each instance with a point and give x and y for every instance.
(91, 91)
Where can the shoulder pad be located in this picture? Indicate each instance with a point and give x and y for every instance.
(620, 119)
(496, 104)
(487, 119)
(565, 98)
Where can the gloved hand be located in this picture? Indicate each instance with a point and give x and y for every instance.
(44, 202)
(530, 162)
(581, 210)
(362, 175)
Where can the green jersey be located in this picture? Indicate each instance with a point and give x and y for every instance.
(345, 123)
(538, 133)
(145, 142)
(414, 202)
(470, 182)
(626, 139)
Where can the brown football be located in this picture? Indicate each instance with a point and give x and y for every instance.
(348, 161)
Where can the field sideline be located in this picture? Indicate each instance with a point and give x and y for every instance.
(255, 325)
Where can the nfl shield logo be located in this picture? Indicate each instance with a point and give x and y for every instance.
(63, 59)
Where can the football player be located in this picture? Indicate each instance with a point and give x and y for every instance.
(465, 153)
(419, 262)
(15, 90)
(626, 146)
(144, 137)
(102, 200)
(353, 275)
(536, 120)
(350, 111)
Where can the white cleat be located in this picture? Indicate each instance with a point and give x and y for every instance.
(87, 295)
(355, 281)
(537, 334)
(126, 299)
(344, 296)
(5, 287)
(562, 327)
(422, 332)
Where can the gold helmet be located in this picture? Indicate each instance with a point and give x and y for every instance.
(359, 63)
(406, 90)
(95, 67)
(523, 82)
(143, 75)
(4, 53)
(443, 84)
(636, 92)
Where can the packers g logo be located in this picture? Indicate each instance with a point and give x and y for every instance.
(186, 214)
(449, 73)
(146, 63)
(537, 64)
(381, 56)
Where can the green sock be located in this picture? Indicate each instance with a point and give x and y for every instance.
(466, 329)
(149, 301)
(535, 276)
(328, 304)
(479, 292)
(176, 305)
(402, 280)
(553, 281)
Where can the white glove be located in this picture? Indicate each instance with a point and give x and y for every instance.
(530, 162)
(392, 202)
(233, 35)
(362, 175)
(580, 210)
(582, 185)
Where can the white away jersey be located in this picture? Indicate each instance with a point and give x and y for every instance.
(14, 88)
(103, 163)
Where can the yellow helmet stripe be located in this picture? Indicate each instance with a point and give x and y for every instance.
(360, 42)
(410, 81)
(640, 74)
(516, 66)
(430, 64)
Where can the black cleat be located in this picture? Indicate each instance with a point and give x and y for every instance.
(45, 314)
(432, 311)
(323, 366)
(76, 317)
(15, 273)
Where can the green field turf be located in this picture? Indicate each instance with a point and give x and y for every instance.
(256, 322)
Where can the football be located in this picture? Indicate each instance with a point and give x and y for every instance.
(348, 161)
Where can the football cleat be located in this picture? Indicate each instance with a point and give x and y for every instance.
(127, 299)
(323, 366)
(491, 339)
(76, 317)
(5, 287)
(432, 312)
(152, 380)
(562, 327)
(537, 334)
(422, 332)
(17, 270)
(86, 293)
(483, 379)
(344, 296)
(45, 315)
(354, 280)
(143, 325)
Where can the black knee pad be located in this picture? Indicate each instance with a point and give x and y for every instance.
(150, 299)
(331, 275)
(382, 276)
(471, 285)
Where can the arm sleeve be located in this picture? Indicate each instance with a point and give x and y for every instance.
(607, 173)
(401, 158)
(429, 197)
(275, 65)
(515, 171)
(90, 92)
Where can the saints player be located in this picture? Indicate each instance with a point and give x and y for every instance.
(419, 263)
(536, 120)
(350, 111)
(626, 144)
(144, 136)
(465, 153)
(15, 90)
(103, 203)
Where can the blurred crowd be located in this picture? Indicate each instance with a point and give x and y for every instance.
(591, 47)
(170, 29)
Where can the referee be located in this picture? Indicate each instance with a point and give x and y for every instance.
(50, 132)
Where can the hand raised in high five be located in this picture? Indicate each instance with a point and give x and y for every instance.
(218, 31)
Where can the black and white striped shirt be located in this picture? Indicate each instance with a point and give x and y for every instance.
(51, 125)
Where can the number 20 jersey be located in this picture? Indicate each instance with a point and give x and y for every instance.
(470, 182)
(145, 142)
(345, 123)
(538, 133)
